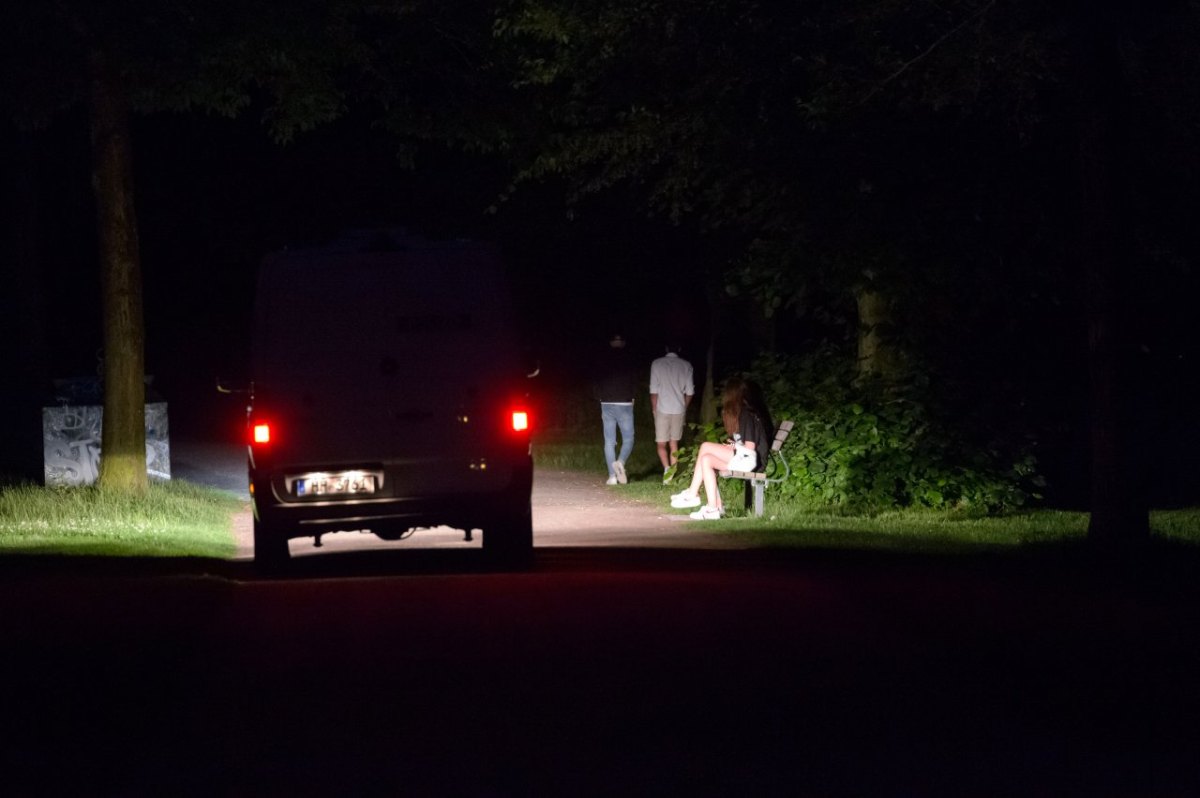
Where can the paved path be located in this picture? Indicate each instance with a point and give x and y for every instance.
(569, 509)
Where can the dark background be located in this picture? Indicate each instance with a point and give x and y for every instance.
(215, 195)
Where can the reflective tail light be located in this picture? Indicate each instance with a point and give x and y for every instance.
(260, 433)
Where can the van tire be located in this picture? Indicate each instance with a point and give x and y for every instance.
(271, 552)
(508, 542)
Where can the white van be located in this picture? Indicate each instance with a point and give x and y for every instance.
(388, 396)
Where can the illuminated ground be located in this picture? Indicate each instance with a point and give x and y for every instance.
(569, 509)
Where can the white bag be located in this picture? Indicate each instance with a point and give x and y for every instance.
(744, 459)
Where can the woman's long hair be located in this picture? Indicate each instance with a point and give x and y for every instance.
(733, 402)
(738, 395)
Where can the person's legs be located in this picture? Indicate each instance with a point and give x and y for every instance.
(668, 453)
(624, 415)
(711, 465)
(674, 435)
(609, 419)
(711, 458)
(662, 434)
(697, 473)
(718, 453)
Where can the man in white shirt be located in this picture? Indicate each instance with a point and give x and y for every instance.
(671, 391)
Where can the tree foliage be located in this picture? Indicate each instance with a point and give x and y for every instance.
(116, 56)
(752, 115)
(870, 444)
(928, 153)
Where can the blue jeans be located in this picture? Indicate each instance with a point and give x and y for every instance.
(615, 416)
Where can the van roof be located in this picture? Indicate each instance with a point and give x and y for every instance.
(340, 309)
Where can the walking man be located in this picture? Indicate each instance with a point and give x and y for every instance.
(671, 391)
(615, 386)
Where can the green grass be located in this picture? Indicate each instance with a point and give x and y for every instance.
(914, 530)
(179, 519)
(175, 519)
(577, 455)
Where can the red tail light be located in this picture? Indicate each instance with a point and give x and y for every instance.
(260, 433)
(520, 421)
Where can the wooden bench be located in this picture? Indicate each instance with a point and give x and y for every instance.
(757, 481)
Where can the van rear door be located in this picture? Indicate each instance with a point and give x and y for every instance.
(404, 357)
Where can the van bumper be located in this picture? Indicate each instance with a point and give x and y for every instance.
(469, 504)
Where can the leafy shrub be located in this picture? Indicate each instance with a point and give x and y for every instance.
(863, 445)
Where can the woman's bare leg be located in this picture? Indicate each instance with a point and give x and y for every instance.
(708, 464)
(707, 449)
(711, 465)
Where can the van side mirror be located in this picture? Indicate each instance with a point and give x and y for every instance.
(530, 362)
(227, 386)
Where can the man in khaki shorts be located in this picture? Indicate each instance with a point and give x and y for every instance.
(671, 391)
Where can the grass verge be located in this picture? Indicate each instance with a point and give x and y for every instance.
(911, 530)
(175, 519)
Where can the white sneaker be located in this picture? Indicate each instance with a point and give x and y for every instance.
(706, 513)
(611, 481)
(685, 499)
(619, 469)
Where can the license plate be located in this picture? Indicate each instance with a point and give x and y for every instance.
(338, 484)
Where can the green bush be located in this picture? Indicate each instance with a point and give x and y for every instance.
(863, 445)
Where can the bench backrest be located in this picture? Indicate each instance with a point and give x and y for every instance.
(781, 434)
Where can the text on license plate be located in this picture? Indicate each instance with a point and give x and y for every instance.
(336, 484)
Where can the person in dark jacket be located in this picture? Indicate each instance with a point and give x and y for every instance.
(615, 385)
(746, 422)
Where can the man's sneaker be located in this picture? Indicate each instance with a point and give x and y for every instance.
(611, 481)
(668, 474)
(685, 499)
(706, 513)
(619, 469)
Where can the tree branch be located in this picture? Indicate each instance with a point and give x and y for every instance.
(938, 43)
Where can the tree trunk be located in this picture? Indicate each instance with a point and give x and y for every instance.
(1119, 508)
(878, 354)
(123, 440)
(708, 401)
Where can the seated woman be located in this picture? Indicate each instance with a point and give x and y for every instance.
(746, 420)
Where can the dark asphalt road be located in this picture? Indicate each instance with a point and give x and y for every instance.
(603, 672)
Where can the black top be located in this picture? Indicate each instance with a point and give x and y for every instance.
(616, 377)
(756, 428)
